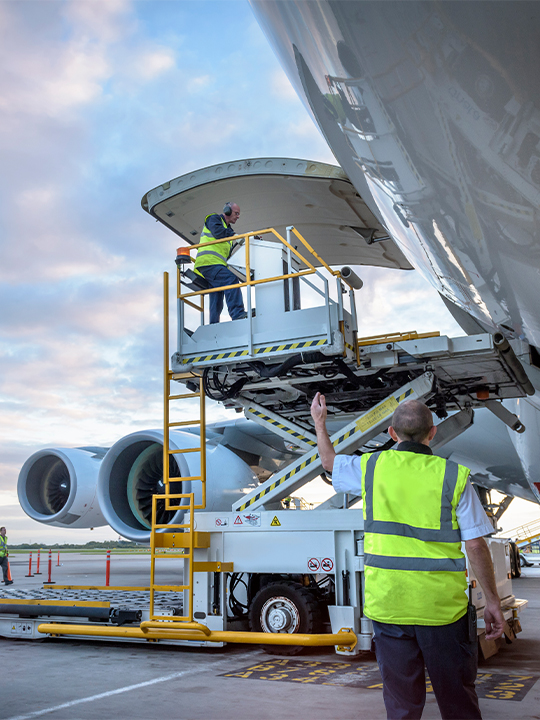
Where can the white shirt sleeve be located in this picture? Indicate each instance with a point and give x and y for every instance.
(472, 520)
(347, 474)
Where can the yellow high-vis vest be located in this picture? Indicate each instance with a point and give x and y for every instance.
(413, 563)
(217, 254)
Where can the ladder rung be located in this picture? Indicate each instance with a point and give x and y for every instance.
(178, 452)
(184, 556)
(169, 588)
(185, 396)
(183, 423)
(179, 527)
(187, 477)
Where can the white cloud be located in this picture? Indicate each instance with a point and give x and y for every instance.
(196, 84)
(149, 64)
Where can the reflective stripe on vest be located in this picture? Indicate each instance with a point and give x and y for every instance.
(217, 254)
(414, 566)
(446, 533)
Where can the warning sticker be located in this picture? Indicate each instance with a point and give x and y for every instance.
(21, 628)
(325, 565)
(275, 522)
(378, 413)
(222, 522)
(249, 519)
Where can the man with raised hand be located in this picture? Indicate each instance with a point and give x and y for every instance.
(418, 508)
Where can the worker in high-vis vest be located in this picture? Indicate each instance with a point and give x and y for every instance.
(418, 509)
(211, 263)
(4, 556)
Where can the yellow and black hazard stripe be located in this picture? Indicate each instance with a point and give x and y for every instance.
(404, 395)
(216, 356)
(279, 482)
(287, 429)
(311, 459)
(257, 351)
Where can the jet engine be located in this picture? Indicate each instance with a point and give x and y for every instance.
(57, 486)
(132, 471)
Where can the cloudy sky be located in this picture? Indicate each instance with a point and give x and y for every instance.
(100, 101)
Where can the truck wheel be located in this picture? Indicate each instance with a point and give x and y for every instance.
(515, 565)
(285, 607)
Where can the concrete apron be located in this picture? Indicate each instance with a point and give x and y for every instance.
(69, 679)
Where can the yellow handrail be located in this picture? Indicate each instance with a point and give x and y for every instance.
(344, 638)
(249, 282)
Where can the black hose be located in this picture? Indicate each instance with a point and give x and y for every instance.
(216, 389)
(344, 369)
(270, 371)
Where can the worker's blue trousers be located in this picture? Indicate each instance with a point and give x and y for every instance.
(219, 276)
(451, 661)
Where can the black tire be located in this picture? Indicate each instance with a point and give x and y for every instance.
(515, 565)
(285, 607)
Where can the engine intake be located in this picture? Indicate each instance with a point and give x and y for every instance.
(57, 486)
(132, 471)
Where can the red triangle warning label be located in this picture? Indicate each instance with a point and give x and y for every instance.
(238, 520)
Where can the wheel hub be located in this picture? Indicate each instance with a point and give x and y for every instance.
(280, 614)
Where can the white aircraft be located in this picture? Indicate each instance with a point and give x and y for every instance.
(433, 113)
(432, 109)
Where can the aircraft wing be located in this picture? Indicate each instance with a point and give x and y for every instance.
(316, 198)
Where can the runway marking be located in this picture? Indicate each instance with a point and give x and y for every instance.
(494, 686)
(119, 691)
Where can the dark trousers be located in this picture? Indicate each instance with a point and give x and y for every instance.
(218, 276)
(4, 566)
(451, 661)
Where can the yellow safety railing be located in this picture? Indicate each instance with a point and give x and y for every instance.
(345, 639)
(308, 257)
(171, 500)
(249, 282)
(185, 552)
(395, 337)
(168, 397)
(187, 298)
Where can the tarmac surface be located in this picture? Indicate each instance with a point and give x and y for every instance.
(67, 679)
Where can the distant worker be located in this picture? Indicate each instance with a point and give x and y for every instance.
(418, 508)
(4, 556)
(212, 263)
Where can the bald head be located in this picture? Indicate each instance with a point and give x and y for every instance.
(413, 421)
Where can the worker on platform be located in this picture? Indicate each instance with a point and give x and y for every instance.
(211, 263)
(418, 508)
(4, 556)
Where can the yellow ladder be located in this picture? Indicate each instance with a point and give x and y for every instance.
(164, 541)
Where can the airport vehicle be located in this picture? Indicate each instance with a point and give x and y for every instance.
(250, 561)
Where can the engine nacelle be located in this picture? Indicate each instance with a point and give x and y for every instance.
(57, 486)
(132, 471)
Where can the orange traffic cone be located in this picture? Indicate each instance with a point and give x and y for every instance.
(9, 572)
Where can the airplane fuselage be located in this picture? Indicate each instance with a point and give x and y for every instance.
(433, 110)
